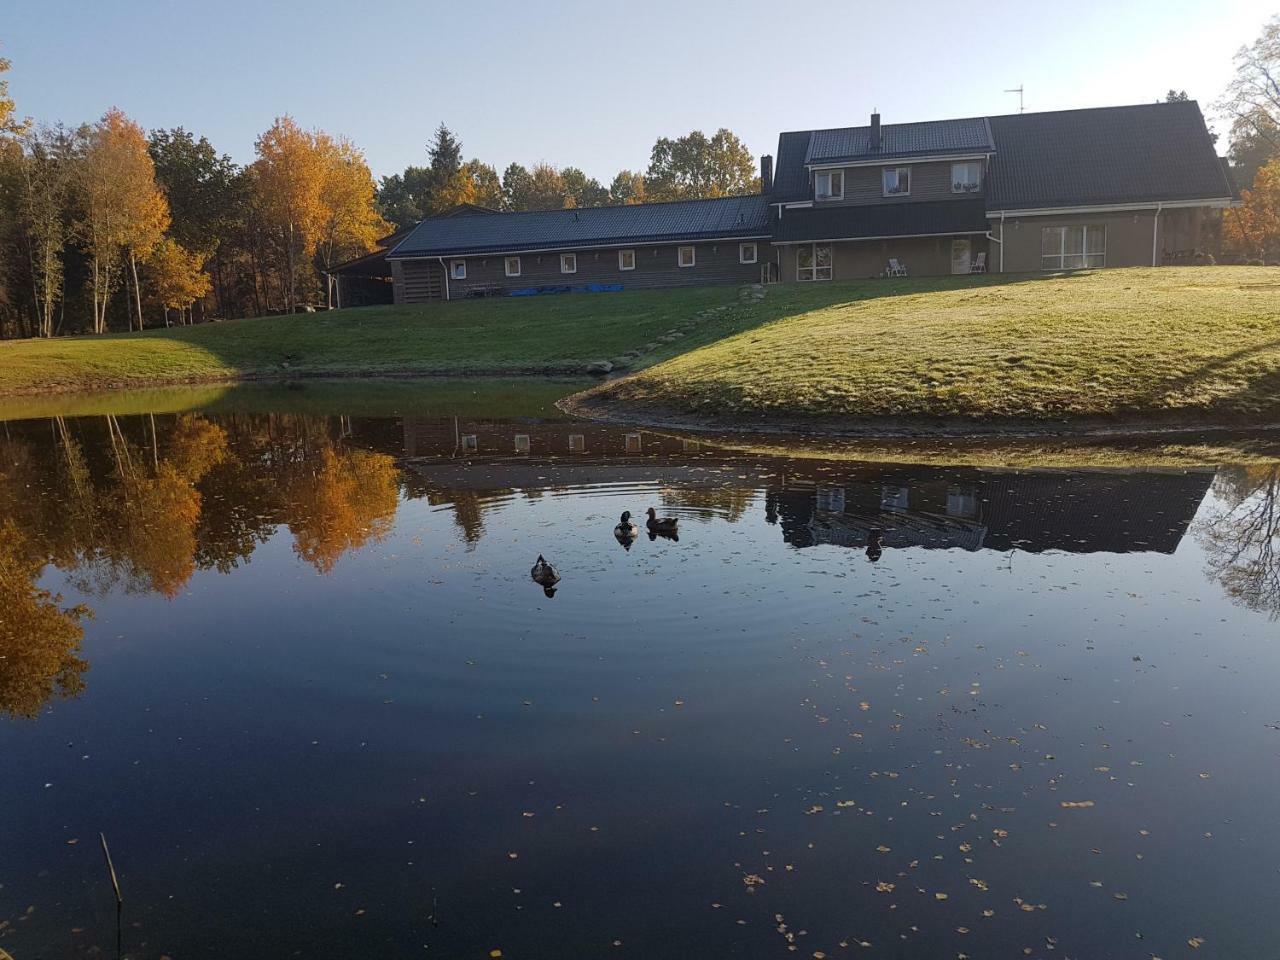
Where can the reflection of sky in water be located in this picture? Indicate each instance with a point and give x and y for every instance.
(316, 756)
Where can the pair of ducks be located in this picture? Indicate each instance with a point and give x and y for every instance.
(547, 576)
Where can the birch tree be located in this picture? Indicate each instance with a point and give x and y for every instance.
(288, 182)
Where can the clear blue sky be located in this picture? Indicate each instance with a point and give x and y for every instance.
(593, 84)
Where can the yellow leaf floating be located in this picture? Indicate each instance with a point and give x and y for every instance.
(1195, 943)
(1076, 804)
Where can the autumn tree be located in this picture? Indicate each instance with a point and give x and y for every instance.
(547, 189)
(582, 190)
(176, 277)
(487, 183)
(125, 212)
(48, 171)
(1253, 229)
(627, 187)
(350, 223)
(342, 500)
(288, 181)
(695, 166)
(517, 187)
(1252, 101)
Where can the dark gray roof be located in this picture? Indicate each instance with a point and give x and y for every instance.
(901, 141)
(790, 177)
(641, 223)
(1105, 155)
(882, 220)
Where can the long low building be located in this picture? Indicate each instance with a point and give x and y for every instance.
(1028, 192)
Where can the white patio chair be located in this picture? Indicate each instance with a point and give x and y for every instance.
(979, 264)
(895, 268)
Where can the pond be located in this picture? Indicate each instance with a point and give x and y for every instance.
(292, 666)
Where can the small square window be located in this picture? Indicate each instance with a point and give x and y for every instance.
(577, 443)
(633, 443)
(829, 185)
(457, 269)
(469, 443)
(513, 266)
(686, 256)
(746, 253)
(626, 259)
(568, 263)
(522, 443)
(897, 181)
(966, 177)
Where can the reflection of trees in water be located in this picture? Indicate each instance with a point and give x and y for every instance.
(39, 639)
(730, 502)
(1242, 538)
(141, 503)
(468, 509)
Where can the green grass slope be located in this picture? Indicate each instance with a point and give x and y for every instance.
(553, 334)
(1194, 344)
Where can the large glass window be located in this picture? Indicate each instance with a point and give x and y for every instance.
(1073, 248)
(813, 261)
(897, 181)
(829, 185)
(966, 177)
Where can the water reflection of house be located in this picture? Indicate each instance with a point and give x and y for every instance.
(974, 509)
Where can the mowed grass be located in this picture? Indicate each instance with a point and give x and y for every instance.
(1194, 344)
(545, 335)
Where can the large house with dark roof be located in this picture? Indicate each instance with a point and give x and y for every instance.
(1066, 190)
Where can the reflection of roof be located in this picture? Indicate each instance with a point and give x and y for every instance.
(901, 529)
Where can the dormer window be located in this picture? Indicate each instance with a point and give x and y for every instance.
(829, 185)
(897, 181)
(966, 177)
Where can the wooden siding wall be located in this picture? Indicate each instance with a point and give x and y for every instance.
(1128, 239)
(929, 181)
(656, 266)
(861, 260)
(417, 281)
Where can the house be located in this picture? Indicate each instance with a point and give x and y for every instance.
(1063, 190)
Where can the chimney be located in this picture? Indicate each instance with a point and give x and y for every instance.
(766, 174)
(875, 132)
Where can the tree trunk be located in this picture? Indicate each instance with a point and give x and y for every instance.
(137, 289)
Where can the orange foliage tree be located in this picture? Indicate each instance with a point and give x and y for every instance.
(1253, 229)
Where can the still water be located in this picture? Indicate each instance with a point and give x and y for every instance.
(295, 670)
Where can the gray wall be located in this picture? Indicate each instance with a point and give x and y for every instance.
(929, 181)
(656, 266)
(1128, 239)
(922, 256)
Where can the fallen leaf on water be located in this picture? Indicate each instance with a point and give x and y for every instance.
(1076, 804)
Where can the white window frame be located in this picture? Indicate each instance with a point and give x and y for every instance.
(813, 269)
(693, 256)
(830, 176)
(470, 443)
(566, 258)
(742, 253)
(506, 265)
(457, 269)
(963, 186)
(622, 266)
(897, 173)
(1062, 255)
(522, 443)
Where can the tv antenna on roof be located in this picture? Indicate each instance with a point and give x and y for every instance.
(1018, 91)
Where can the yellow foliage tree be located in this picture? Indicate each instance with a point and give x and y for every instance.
(351, 223)
(125, 211)
(177, 277)
(340, 503)
(288, 183)
(1253, 229)
(39, 640)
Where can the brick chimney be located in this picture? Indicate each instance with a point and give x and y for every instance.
(875, 132)
(766, 174)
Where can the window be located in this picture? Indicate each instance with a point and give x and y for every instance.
(686, 256)
(513, 266)
(746, 253)
(966, 177)
(1073, 248)
(522, 443)
(577, 443)
(897, 181)
(633, 443)
(829, 185)
(830, 499)
(469, 444)
(813, 261)
(626, 259)
(895, 498)
(457, 269)
(568, 263)
(962, 502)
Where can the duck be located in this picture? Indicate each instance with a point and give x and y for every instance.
(545, 575)
(659, 524)
(626, 530)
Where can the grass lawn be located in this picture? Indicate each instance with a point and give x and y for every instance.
(1193, 344)
(551, 335)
